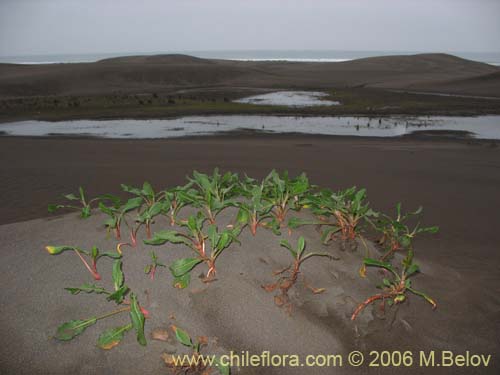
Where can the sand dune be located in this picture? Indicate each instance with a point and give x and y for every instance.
(485, 84)
(138, 74)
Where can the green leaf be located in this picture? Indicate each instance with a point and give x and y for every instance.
(213, 236)
(132, 204)
(301, 244)
(137, 319)
(130, 189)
(172, 236)
(119, 295)
(71, 197)
(431, 230)
(286, 244)
(94, 252)
(296, 222)
(112, 337)
(54, 207)
(87, 288)
(111, 255)
(225, 240)
(405, 242)
(412, 269)
(242, 217)
(378, 263)
(147, 190)
(73, 328)
(326, 235)
(182, 336)
(155, 209)
(183, 266)
(82, 194)
(105, 209)
(182, 282)
(118, 277)
(407, 283)
(55, 250)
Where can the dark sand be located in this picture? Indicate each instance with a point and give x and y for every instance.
(456, 182)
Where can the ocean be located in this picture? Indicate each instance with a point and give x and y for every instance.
(492, 58)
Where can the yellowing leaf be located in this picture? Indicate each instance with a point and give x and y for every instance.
(112, 337)
(362, 271)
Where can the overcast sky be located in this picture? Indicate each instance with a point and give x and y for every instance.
(88, 26)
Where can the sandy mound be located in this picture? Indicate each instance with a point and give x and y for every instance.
(233, 310)
(139, 74)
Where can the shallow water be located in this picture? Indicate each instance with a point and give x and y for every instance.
(296, 99)
(483, 127)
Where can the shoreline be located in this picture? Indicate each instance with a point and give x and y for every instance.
(165, 114)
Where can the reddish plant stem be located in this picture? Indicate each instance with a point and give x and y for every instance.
(395, 247)
(367, 302)
(253, 226)
(92, 271)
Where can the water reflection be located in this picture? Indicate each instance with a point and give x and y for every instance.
(296, 99)
(485, 127)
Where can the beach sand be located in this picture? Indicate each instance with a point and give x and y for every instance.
(456, 182)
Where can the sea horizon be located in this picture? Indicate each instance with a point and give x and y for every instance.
(492, 58)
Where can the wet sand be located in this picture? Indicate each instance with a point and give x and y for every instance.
(456, 182)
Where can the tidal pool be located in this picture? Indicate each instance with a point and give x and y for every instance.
(482, 127)
(297, 99)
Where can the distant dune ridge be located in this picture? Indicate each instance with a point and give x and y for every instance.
(138, 74)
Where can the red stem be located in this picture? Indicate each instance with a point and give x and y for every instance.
(93, 272)
(368, 301)
(253, 226)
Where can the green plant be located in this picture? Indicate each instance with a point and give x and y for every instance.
(85, 207)
(396, 235)
(147, 216)
(146, 192)
(215, 193)
(196, 363)
(117, 214)
(111, 337)
(177, 198)
(151, 268)
(347, 208)
(117, 295)
(256, 208)
(195, 239)
(94, 255)
(284, 193)
(289, 275)
(394, 289)
(153, 207)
